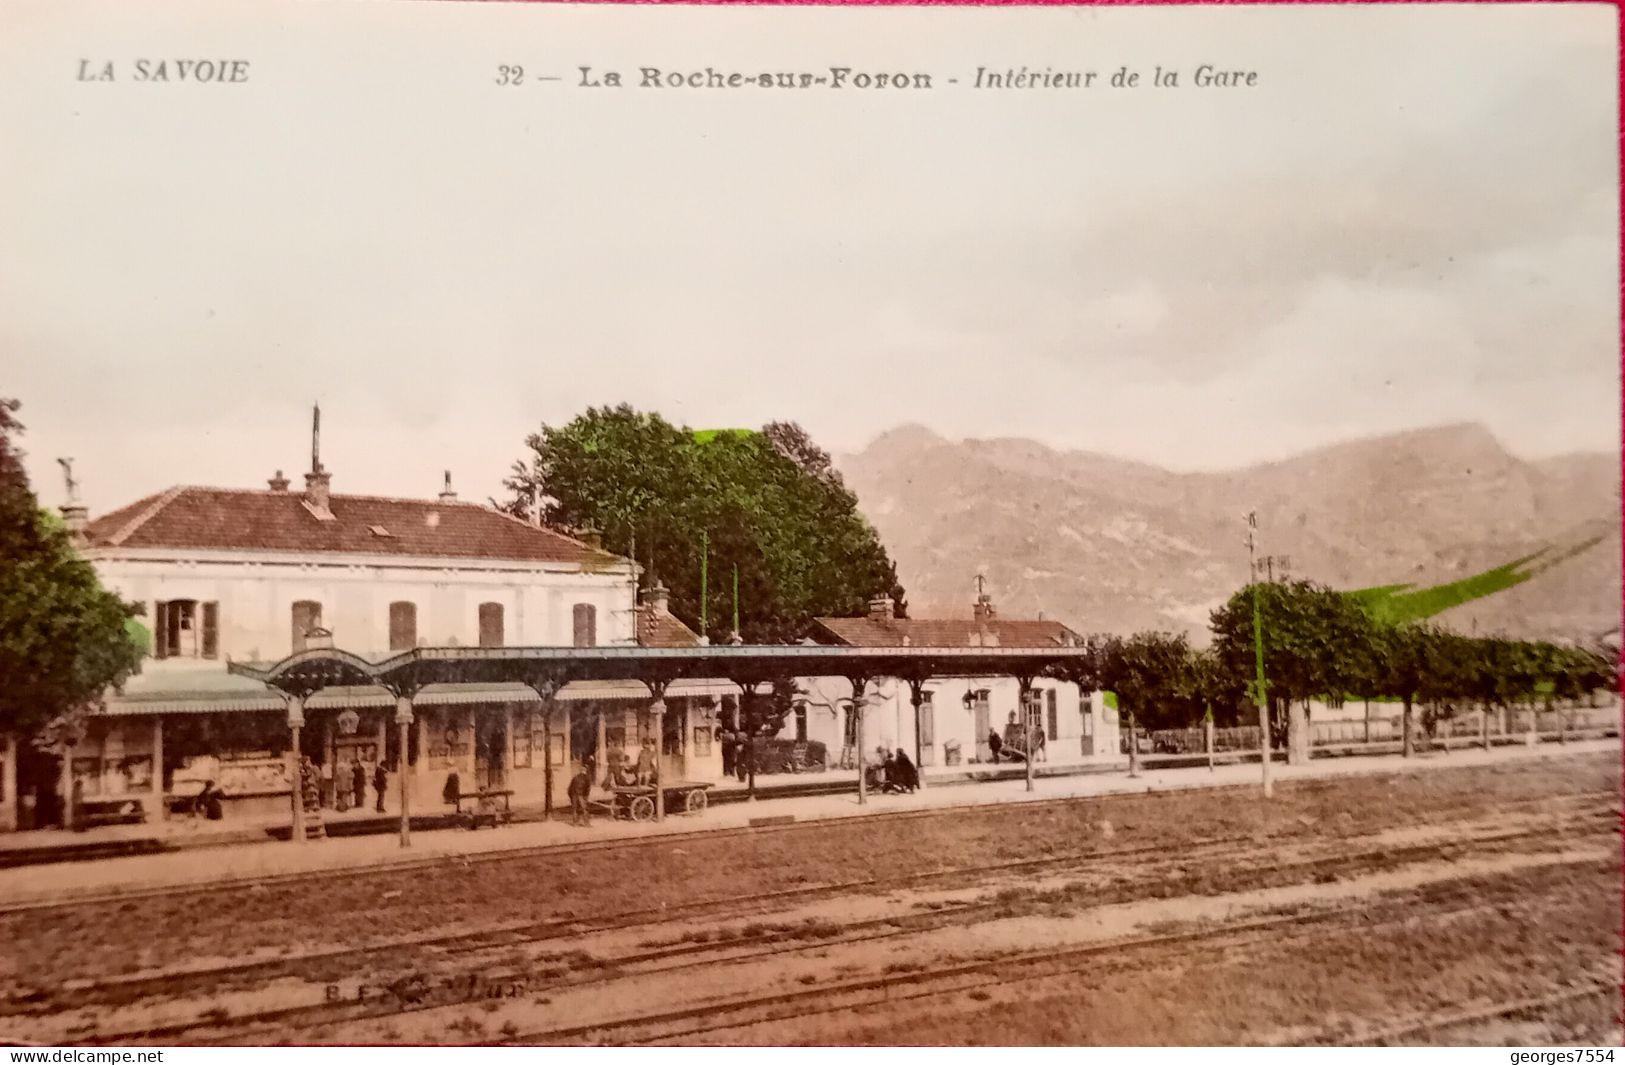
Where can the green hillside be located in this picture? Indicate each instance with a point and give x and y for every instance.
(1401, 603)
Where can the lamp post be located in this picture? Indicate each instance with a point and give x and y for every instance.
(1260, 689)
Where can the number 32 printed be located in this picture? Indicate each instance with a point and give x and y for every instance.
(507, 75)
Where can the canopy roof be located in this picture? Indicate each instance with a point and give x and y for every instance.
(549, 668)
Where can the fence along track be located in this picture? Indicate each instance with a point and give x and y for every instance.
(523, 933)
(318, 1015)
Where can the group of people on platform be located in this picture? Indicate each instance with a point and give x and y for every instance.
(737, 752)
(1012, 746)
(345, 785)
(892, 772)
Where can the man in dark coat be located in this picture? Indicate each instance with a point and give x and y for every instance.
(994, 743)
(380, 781)
(358, 785)
(580, 787)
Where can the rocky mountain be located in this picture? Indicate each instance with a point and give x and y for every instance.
(1105, 544)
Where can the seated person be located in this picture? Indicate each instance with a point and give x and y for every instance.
(905, 777)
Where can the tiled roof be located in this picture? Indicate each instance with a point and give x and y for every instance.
(946, 632)
(658, 628)
(222, 519)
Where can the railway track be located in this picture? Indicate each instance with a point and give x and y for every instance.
(526, 933)
(696, 1022)
(676, 956)
(1464, 1016)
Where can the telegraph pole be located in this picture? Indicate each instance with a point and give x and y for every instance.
(1260, 691)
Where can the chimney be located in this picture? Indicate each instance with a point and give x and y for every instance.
(880, 608)
(317, 491)
(591, 537)
(658, 599)
(318, 481)
(278, 483)
(76, 516)
(446, 494)
(984, 614)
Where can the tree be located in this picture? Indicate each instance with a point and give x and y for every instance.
(767, 506)
(63, 638)
(1149, 673)
(1317, 642)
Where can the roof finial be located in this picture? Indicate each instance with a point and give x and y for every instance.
(67, 475)
(316, 439)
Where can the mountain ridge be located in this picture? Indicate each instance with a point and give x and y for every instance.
(1111, 544)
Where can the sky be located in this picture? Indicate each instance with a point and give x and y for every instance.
(1411, 219)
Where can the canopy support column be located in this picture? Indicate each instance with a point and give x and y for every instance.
(859, 683)
(296, 767)
(1024, 685)
(916, 694)
(657, 726)
(403, 724)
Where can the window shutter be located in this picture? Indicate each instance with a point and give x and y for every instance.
(160, 629)
(491, 634)
(585, 616)
(1053, 715)
(211, 630)
(403, 626)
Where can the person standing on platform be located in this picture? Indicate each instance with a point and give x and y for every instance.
(646, 764)
(341, 794)
(994, 744)
(380, 784)
(580, 787)
(358, 784)
(327, 782)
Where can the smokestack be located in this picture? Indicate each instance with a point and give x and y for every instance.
(318, 482)
(658, 599)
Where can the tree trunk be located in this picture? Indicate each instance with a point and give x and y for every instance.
(1207, 739)
(1133, 748)
(1484, 726)
(1405, 729)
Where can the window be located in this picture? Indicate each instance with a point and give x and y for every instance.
(1086, 709)
(185, 628)
(1053, 713)
(702, 741)
(585, 618)
(307, 615)
(801, 722)
(490, 624)
(928, 722)
(403, 626)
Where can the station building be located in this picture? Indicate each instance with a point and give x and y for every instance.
(222, 574)
(1069, 726)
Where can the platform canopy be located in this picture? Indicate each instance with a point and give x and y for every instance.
(549, 668)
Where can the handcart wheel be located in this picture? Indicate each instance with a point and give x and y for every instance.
(643, 808)
(696, 801)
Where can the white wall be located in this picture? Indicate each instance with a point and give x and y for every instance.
(256, 596)
(1085, 731)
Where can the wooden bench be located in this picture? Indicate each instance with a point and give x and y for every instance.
(94, 812)
(486, 808)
